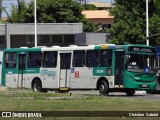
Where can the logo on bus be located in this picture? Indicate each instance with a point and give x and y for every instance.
(99, 71)
(48, 73)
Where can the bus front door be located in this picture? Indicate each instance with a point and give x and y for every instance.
(65, 63)
(21, 69)
(119, 68)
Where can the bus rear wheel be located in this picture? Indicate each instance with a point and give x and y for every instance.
(103, 88)
(37, 86)
(130, 92)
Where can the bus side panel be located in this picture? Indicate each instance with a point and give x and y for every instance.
(11, 79)
(28, 78)
(49, 77)
(81, 77)
(9, 71)
(1, 56)
(95, 79)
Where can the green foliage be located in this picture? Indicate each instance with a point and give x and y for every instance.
(89, 7)
(18, 12)
(128, 26)
(50, 11)
(130, 21)
(154, 25)
(157, 4)
(88, 26)
(2, 22)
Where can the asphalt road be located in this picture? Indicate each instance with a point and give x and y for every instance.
(138, 94)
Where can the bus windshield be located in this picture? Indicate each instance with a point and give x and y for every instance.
(141, 63)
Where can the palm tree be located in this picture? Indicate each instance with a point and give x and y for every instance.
(17, 12)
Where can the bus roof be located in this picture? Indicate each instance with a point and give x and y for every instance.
(75, 47)
(136, 45)
(58, 48)
(21, 49)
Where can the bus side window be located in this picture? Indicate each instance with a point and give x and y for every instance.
(105, 58)
(78, 58)
(49, 59)
(92, 58)
(10, 60)
(34, 59)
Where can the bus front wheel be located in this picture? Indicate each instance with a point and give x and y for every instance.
(103, 88)
(37, 86)
(130, 92)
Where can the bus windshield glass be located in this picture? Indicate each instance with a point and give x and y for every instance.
(141, 63)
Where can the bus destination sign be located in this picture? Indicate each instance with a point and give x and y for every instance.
(141, 49)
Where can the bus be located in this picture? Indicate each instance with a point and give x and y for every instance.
(157, 69)
(103, 67)
(1, 55)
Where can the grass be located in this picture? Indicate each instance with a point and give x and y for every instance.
(26, 100)
(14, 93)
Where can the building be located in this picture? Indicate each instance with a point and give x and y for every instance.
(49, 34)
(99, 17)
(102, 6)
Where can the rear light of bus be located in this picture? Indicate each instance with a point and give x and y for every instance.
(109, 71)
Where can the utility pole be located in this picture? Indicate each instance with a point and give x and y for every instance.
(147, 25)
(35, 22)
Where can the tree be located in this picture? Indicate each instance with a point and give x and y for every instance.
(130, 21)
(89, 7)
(82, 2)
(154, 30)
(157, 4)
(154, 25)
(18, 12)
(51, 11)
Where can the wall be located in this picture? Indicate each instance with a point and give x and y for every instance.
(43, 28)
(90, 38)
(103, 21)
(2, 34)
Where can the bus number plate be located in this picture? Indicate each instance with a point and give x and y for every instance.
(144, 85)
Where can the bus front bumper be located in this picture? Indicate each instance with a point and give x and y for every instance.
(140, 85)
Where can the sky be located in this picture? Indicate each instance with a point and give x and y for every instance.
(7, 4)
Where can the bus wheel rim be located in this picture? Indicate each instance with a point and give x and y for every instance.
(36, 87)
(101, 88)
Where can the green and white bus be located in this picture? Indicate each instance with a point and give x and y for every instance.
(103, 67)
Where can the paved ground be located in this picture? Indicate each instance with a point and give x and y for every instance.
(138, 94)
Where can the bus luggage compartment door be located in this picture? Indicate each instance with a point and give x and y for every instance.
(65, 62)
(21, 69)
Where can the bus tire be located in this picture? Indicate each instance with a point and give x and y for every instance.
(37, 86)
(130, 92)
(44, 90)
(103, 88)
